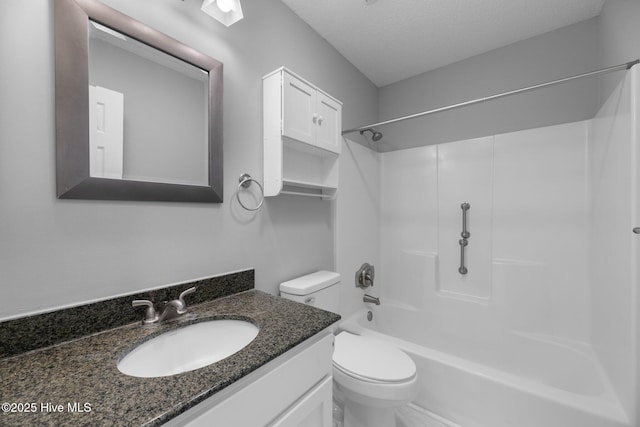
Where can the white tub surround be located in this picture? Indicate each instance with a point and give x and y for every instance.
(541, 329)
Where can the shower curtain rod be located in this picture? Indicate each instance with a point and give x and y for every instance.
(624, 66)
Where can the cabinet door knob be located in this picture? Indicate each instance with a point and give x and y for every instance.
(315, 118)
(320, 119)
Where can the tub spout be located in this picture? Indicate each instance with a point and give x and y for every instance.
(369, 298)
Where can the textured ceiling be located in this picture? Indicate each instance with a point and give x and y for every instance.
(391, 40)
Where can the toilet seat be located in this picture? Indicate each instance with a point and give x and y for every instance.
(372, 373)
(371, 361)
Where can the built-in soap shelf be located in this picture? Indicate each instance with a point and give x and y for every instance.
(302, 137)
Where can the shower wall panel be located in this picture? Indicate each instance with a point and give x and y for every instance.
(465, 176)
(409, 226)
(540, 230)
(527, 257)
(613, 308)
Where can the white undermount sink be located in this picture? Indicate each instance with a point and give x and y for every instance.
(187, 348)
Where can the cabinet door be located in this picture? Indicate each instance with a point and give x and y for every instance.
(299, 118)
(329, 123)
(313, 410)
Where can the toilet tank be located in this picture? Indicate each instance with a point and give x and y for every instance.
(319, 289)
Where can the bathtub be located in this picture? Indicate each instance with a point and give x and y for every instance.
(492, 378)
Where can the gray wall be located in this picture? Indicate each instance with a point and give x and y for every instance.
(62, 252)
(619, 37)
(609, 39)
(560, 53)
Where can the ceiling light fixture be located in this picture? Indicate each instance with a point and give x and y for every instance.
(225, 11)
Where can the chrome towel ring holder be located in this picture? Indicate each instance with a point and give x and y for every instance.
(245, 181)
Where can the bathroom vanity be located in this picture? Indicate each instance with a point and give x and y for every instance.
(293, 390)
(282, 378)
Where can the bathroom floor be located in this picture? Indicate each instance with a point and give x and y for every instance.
(414, 416)
(407, 416)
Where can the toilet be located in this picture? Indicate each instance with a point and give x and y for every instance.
(370, 377)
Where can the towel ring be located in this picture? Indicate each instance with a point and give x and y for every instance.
(245, 181)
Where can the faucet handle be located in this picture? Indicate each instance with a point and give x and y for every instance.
(365, 276)
(187, 292)
(183, 305)
(150, 316)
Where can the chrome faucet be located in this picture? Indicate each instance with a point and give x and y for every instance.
(176, 307)
(372, 299)
(172, 309)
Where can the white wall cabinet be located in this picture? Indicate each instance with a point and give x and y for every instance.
(302, 137)
(294, 390)
(309, 115)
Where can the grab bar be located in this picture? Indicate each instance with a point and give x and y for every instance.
(465, 235)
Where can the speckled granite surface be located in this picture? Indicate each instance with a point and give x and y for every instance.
(84, 371)
(43, 330)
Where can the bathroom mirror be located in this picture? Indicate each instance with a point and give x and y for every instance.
(138, 114)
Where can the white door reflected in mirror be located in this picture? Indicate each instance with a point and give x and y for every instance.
(106, 124)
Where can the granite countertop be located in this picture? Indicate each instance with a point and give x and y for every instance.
(83, 372)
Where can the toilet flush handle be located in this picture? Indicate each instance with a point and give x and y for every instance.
(310, 300)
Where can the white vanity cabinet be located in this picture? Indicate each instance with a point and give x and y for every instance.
(302, 137)
(293, 390)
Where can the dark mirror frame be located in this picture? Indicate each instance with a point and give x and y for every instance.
(72, 109)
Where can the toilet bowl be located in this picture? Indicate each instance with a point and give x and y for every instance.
(370, 378)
